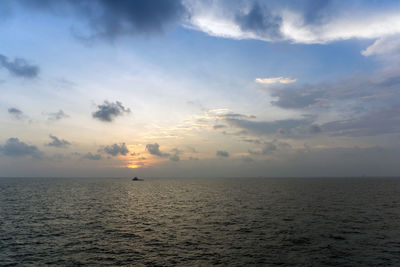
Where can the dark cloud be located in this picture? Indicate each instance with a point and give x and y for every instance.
(120, 17)
(358, 89)
(260, 21)
(15, 148)
(16, 113)
(110, 19)
(56, 142)
(314, 128)
(109, 111)
(315, 10)
(91, 156)
(249, 140)
(221, 153)
(117, 149)
(365, 106)
(154, 149)
(19, 67)
(237, 116)
(245, 126)
(271, 147)
(268, 127)
(385, 121)
(297, 98)
(56, 116)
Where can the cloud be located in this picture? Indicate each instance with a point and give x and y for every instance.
(56, 116)
(297, 98)
(174, 157)
(175, 154)
(271, 147)
(109, 111)
(385, 49)
(59, 143)
(112, 19)
(16, 148)
(132, 17)
(384, 45)
(274, 80)
(221, 153)
(268, 127)
(304, 21)
(353, 106)
(16, 113)
(244, 125)
(260, 21)
(116, 149)
(154, 149)
(314, 128)
(19, 67)
(91, 156)
(314, 11)
(385, 121)
(379, 88)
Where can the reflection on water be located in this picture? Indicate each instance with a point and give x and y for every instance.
(199, 221)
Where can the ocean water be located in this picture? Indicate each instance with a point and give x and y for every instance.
(190, 222)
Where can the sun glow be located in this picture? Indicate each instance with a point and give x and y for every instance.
(133, 166)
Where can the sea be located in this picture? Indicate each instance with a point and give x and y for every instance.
(200, 222)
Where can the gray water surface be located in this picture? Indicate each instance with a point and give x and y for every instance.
(242, 221)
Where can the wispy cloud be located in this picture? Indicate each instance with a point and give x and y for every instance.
(59, 143)
(274, 80)
(56, 116)
(91, 156)
(16, 113)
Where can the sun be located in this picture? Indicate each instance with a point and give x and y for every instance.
(133, 166)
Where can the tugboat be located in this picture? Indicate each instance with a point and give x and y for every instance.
(136, 179)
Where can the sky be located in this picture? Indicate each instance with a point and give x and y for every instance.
(211, 88)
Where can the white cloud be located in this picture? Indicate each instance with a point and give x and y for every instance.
(385, 45)
(340, 25)
(219, 27)
(273, 80)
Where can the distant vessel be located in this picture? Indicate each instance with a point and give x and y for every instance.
(136, 179)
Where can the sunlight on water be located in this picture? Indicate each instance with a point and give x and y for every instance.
(199, 221)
